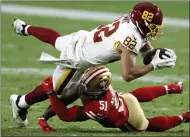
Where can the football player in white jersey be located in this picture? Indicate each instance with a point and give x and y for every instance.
(121, 40)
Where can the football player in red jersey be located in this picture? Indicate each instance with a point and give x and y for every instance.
(102, 104)
(123, 39)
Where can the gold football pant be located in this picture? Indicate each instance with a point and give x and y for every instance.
(137, 120)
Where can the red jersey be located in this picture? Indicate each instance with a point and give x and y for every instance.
(109, 111)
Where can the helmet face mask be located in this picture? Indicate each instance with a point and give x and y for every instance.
(155, 31)
(90, 95)
(95, 83)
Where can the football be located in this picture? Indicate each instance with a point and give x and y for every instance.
(148, 58)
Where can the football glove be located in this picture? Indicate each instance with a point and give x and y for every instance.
(171, 53)
(165, 62)
(149, 56)
(44, 125)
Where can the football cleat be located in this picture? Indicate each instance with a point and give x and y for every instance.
(20, 27)
(175, 88)
(19, 114)
(186, 117)
(44, 125)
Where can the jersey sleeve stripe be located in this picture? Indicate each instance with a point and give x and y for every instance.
(92, 113)
(90, 116)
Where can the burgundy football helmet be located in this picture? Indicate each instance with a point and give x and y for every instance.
(148, 20)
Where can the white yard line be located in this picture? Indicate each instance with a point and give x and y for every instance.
(156, 78)
(19, 60)
(34, 106)
(4, 88)
(57, 127)
(27, 71)
(144, 108)
(84, 14)
(47, 72)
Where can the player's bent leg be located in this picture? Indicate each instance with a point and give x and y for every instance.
(20, 104)
(146, 94)
(44, 34)
(63, 42)
(163, 123)
(137, 120)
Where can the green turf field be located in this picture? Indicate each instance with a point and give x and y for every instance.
(24, 52)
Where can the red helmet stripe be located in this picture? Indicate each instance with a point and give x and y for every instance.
(95, 74)
(92, 70)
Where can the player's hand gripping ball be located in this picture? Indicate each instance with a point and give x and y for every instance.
(150, 55)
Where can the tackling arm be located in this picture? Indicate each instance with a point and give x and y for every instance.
(75, 113)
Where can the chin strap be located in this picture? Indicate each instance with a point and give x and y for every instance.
(139, 29)
(146, 23)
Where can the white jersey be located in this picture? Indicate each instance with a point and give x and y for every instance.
(99, 46)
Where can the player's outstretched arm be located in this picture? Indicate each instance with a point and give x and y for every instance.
(146, 94)
(67, 97)
(49, 113)
(75, 113)
(128, 65)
